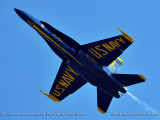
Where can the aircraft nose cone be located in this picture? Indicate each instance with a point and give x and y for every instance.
(22, 14)
(16, 10)
(19, 12)
(25, 16)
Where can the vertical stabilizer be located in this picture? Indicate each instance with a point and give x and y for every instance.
(114, 67)
(103, 101)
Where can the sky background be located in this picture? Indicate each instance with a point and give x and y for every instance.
(28, 65)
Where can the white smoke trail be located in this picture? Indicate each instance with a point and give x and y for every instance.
(143, 104)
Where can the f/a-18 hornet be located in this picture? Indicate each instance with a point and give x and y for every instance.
(97, 63)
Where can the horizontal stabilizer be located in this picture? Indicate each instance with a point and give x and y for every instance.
(129, 79)
(115, 65)
(103, 101)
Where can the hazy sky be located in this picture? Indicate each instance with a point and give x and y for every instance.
(28, 65)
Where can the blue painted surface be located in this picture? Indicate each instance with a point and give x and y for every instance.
(28, 62)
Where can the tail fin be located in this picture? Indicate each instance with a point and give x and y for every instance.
(103, 101)
(129, 79)
(115, 65)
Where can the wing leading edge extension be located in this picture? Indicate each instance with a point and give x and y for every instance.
(107, 50)
(67, 82)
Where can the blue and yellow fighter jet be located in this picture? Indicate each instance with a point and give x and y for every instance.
(96, 63)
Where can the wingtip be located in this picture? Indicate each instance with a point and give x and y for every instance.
(51, 97)
(129, 38)
(142, 77)
(44, 93)
(100, 110)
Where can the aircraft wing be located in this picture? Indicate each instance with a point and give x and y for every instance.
(67, 82)
(106, 51)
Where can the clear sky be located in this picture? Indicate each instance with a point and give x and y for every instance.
(28, 65)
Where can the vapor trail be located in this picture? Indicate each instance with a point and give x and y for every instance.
(142, 103)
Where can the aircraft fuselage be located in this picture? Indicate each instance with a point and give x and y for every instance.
(76, 58)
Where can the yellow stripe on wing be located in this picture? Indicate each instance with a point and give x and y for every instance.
(142, 77)
(100, 110)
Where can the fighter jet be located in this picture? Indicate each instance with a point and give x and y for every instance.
(96, 63)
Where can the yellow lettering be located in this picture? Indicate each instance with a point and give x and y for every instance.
(108, 47)
(56, 93)
(112, 63)
(98, 48)
(68, 75)
(70, 69)
(67, 80)
(121, 40)
(118, 45)
(96, 55)
(114, 44)
(59, 88)
(64, 84)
